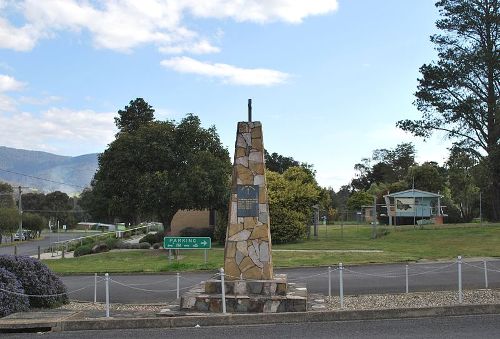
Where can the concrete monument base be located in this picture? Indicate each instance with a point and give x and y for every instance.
(247, 296)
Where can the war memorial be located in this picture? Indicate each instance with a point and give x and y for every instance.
(250, 284)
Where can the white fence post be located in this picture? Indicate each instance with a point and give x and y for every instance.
(341, 281)
(223, 290)
(329, 281)
(406, 278)
(106, 277)
(485, 275)
(460, 294)
(178, 285)
(95, 288)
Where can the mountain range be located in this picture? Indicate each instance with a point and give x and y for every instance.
(46, 172)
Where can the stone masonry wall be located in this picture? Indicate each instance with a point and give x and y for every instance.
(248, 240)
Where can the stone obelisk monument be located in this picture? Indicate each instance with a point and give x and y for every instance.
(249, 282)
(248, 238)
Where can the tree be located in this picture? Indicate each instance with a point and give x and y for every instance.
(6, 196)
(391, 165)
(158, 169)
(459, 94)
(33, 222)
(291, 197)
(9, 221)
(426, 177)
(359, 199)
(278, 163)
(58, 205)
(462, 169)
(137, 113)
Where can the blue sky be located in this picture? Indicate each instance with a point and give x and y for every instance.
(328, 78)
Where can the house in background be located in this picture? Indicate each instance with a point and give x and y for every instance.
(192, 218)
(414, 207)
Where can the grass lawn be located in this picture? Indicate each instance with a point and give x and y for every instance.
(398, 245)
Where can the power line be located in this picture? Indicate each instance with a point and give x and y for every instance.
(34, 177)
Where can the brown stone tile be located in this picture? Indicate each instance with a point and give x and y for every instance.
(234, 228)
(257, 144)
(230, 251)
(246, 264)
(260, 232)
(253, 273)
(256, 167)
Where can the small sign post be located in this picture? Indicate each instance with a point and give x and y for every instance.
(187, 243)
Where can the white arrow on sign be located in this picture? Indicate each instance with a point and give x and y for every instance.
(204, 242)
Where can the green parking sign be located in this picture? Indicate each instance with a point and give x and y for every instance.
(183, 243)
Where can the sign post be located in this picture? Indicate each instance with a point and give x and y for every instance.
(187, 243)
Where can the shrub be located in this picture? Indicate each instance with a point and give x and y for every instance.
(82, 250)
(45, 288)
(122, 245)
(144, 246)
(100, 247)
(197, 232)
(157, 245)
(112, 243)
(287, 226)
(9, 302)
(152, 238)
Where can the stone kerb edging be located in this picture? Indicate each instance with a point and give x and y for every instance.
(273, 318)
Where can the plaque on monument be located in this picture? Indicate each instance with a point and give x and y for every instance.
(248, 200)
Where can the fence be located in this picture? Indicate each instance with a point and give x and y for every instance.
(407, 272)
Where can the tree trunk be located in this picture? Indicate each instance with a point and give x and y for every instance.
(166, 220)
(493, 211)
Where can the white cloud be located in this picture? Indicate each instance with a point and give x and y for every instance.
(262, 11)
(228, 73)
(125, 24)
(8, 83)
(58, 130)
(42, 101)
(18, 39)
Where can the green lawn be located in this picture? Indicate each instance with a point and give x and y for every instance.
(399, 245)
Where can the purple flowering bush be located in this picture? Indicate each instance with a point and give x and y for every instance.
(11, 302)
(44, 288)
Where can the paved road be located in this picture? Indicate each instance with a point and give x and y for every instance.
(31, 247)
(484, 326)
(390, 278)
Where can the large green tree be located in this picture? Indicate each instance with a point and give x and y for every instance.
(6, 195)
(9, 221)
(460, 92)
(390, 166)
(291, 197)
(158, 169)
(464, 174)
(137, 113)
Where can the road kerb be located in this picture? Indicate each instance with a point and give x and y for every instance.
(273, 318)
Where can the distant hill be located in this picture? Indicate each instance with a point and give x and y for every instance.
(77, 171)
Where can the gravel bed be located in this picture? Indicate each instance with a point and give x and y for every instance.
(351, 302)
(413, 300)
(89, 306)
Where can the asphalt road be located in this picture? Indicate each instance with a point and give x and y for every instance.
(484, 326)
(366, 279)
(30, 247)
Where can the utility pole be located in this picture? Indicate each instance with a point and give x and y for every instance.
(480, 209)
(374, 227)
(20, 231)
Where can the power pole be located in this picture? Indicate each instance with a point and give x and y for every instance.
(374, 227)
(20, 231)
